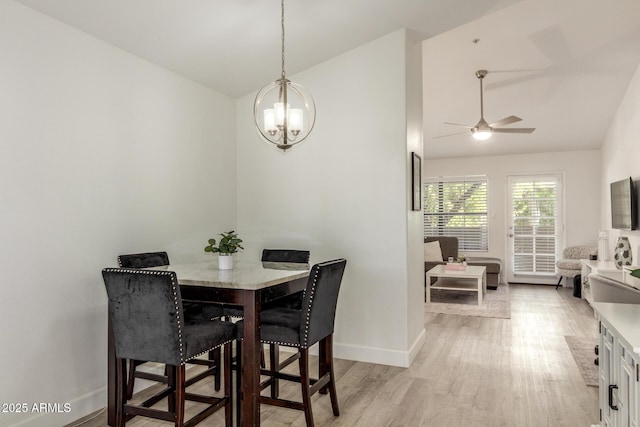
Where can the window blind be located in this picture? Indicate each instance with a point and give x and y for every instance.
(535, 225)
(457, 207)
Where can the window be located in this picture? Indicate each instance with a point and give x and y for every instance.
(535, 223)
(457, 207)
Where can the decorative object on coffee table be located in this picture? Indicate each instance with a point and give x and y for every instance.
(622, 252)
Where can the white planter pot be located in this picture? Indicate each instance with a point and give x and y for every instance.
(225, 262)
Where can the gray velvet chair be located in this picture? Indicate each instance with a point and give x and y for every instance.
(149, 324)
(301, 328)
(194, 311)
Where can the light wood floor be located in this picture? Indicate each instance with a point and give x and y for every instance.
(472, 371)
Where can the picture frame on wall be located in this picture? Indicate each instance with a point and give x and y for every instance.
(416, 182)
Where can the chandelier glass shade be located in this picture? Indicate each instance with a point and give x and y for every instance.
(284, 112)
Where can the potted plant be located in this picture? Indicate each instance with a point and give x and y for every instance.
(228, 245)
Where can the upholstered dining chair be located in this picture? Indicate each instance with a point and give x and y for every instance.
(149, 324)
(301, 328)
(194, 310)
(289, 256)
(290, 301)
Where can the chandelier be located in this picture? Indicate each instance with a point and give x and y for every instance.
(284, 112)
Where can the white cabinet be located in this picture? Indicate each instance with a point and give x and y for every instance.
(619, 373)
(607, 375)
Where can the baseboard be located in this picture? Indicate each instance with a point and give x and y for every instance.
(91, 402)
(378, 355)
(61, 414)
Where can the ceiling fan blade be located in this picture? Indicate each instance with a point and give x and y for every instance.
(459, 125)
(505, 121)
(451, 134)
(514, 130)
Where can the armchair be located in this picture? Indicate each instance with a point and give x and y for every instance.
(569, 266)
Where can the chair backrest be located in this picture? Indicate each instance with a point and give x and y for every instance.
(320, 301)
(145, 308)
(143, 260)
(448, 245)
(579, 252)
(285, 255)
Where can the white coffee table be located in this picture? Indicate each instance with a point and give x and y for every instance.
(472, 279)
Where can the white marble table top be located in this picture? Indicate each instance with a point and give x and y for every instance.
(472, 271)
(244, 275)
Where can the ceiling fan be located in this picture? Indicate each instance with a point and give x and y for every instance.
(483, 130)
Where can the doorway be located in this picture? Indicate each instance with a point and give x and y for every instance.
(535, 227)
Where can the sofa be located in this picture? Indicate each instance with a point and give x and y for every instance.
(449, 248)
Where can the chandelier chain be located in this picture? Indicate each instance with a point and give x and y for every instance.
(282, 25)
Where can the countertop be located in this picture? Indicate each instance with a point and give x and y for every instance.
(624, 319)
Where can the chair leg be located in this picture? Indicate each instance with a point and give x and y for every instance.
(274, 365)
(133, 366)
(215, 356)
(170, 372)
(121, 384)
(559, 281)
(180, 374)
(304, 383)
(239, 382)
(323, 365)
(328, 344)
(228, 387)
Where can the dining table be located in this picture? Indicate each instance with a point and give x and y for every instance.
(248, 285)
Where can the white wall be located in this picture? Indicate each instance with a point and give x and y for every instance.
(415, 222)
(101, 153)
(343, 193)
(581, 171)
(620, 154)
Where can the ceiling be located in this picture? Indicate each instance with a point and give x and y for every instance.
(233, 46)
(561, 65)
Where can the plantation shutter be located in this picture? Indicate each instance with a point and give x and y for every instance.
(457, 207)
(535, 225)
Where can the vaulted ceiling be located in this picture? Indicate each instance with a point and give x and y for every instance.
(561, 65)
(233, 46)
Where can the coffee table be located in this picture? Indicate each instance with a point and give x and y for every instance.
(472, 279)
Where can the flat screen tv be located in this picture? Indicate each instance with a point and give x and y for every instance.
(623, 205)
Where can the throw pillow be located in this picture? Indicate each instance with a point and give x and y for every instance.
(432, 252)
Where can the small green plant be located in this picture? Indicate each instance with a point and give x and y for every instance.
(229, 244)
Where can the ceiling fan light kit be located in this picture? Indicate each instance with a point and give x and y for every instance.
(481, 134)
(482, 130)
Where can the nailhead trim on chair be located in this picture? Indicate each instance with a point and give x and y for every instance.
(207, 351)
(175, 298)
(308, 313)
(175, 301)
(303, 344)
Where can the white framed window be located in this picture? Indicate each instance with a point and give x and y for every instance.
(457, 207)
(535, 229)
